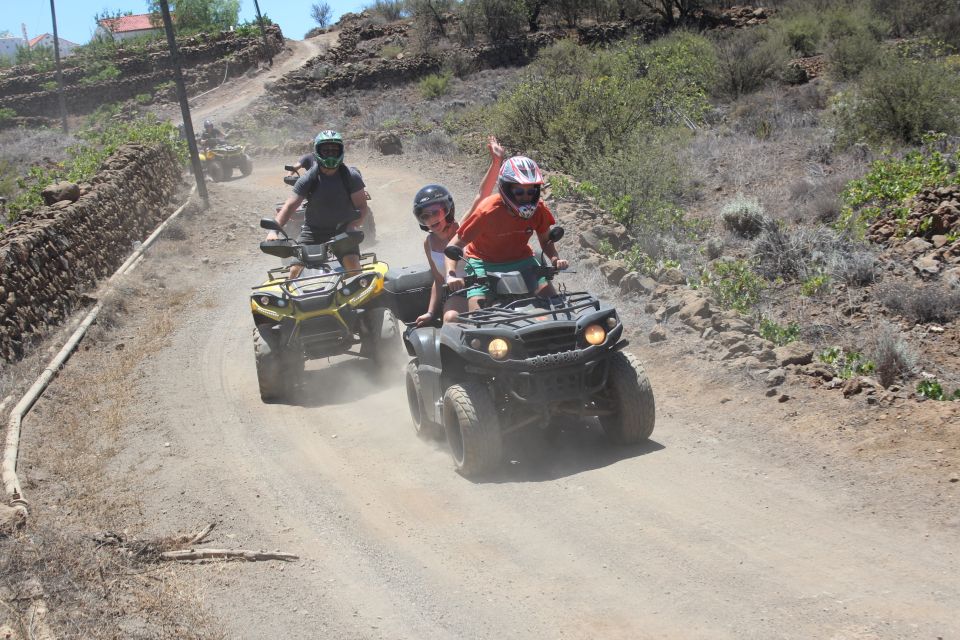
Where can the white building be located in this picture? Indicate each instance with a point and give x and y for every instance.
(9, 46)
(46, 40)
(126, 27)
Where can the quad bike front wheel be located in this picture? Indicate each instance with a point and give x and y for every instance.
(473, 429)
(215, 170)
(246, 165)
(381, 341)
(423, 423)
(632, 401)
(278, 373)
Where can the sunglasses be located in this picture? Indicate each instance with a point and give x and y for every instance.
(533, 193)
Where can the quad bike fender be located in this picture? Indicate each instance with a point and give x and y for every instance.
(424, 345)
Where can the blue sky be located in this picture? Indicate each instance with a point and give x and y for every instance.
(75, 17)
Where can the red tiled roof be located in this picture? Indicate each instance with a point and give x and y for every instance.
(123, 24)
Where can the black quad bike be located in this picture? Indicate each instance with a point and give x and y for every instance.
(324, 312)
(519, 362)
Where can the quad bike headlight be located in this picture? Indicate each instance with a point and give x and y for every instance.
(498, 349)
(611, 322)
(595, 334)
(270, 301)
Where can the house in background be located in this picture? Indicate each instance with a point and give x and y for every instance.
(46, 40)
(9, 46)
(126, 27)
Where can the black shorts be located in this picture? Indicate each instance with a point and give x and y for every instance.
(319, 235)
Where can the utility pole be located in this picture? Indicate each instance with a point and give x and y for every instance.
(263, 32)
(56, 56)
(184, 106)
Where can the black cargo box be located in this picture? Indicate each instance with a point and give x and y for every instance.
(407, 291)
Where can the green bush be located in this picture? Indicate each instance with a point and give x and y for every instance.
(86, 157)
(435, 85)
(143, 98)
(748, 59)
(933, 390)
(846, 364)
(802, 32)
(900, 100)
(7, 113)
(104, 73)
(497, 19)
(733, 284)
(777, 333)
(573, 105)
(889, 182)
(853, 40)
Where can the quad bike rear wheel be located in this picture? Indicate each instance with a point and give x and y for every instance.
(633, 406)
(278, 373)
(423, 423)
(246, 165)
(215, 170)
(473, 429)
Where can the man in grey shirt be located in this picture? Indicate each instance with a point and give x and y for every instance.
(336, 200)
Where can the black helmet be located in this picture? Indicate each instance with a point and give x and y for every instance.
(207, 124)
(432, 194)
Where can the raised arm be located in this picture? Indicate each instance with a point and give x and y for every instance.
(489, 181)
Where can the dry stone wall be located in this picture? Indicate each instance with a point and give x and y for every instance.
(205, 60)
(48, 261)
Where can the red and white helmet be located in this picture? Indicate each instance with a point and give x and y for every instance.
(522, 171)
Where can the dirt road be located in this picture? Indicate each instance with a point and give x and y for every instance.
(721, 527)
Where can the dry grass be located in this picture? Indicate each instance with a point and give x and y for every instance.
(935, 302)
(92, 592)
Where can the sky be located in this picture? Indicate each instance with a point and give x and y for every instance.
(75, 17)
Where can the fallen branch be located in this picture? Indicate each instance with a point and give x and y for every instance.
(226, 554)
(180, 548)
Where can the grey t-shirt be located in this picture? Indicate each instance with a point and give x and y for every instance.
(329, 205)
(307, 161)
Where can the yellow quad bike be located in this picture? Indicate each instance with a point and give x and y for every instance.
(324, 312)
(220, 161)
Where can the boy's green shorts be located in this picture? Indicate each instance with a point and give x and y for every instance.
(479, 268)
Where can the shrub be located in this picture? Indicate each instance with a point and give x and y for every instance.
(748, 58)
(104, 73)
(901, 100)
(853, 36)
(143, 98)
(892, 355)
(733, 284)
(7, 113)
(802, 33)
(743, 216)
(932, 389)
(847, 364)
(889, 182)
(436, 142)
(856, 268)
(805, 254)
(389, 10)
(778, 334)
(85, 158)
(390, 51)
(435, 85)
(498, 19)
(932, 303)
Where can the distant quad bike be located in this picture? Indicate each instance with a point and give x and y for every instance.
(519, 362)
(220, 161)
(324, 312)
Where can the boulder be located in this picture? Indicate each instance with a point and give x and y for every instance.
(388, 144)
(671, 276)
(794, 353)
(60, 191)
(657, 334)
(614, 270)
(634, 282)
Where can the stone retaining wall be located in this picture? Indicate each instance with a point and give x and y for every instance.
(50, 260)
